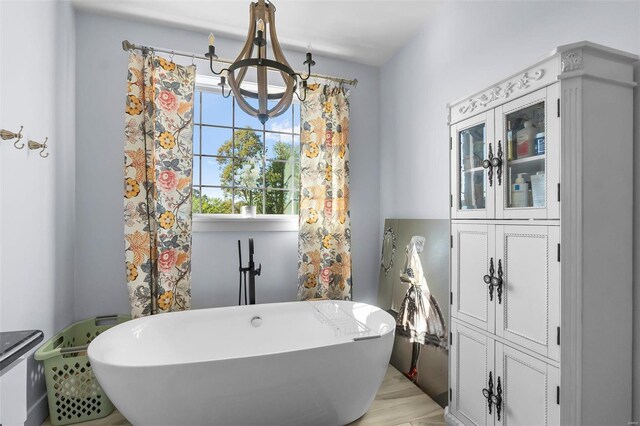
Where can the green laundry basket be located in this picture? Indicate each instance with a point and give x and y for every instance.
(73, 392)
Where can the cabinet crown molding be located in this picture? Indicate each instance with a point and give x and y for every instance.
(501, 91)
(571, 61)
(582, 59)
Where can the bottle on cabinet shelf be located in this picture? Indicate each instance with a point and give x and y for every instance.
(511, 144)
(520, 192)
(539, 144)
(526, 137)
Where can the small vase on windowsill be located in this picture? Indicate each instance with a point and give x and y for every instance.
(248, 211)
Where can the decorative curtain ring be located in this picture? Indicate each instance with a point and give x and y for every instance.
(171, 56)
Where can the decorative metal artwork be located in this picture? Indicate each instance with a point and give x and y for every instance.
(388, 249)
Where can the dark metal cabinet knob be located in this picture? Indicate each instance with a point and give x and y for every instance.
(497, 399)
(488, 392)
(488, 279)
(499, 282)
(487, 164)
(497, 163)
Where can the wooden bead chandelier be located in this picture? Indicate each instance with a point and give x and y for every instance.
(261, 23)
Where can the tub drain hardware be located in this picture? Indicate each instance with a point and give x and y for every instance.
(256, 321)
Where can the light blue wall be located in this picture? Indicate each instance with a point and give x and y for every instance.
(101, 74)
(37, 194)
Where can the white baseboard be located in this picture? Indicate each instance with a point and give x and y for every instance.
(38, 412)
(450, 419)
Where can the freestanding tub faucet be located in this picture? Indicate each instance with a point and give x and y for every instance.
(252, 271)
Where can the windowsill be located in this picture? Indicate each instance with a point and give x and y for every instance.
(235, 223)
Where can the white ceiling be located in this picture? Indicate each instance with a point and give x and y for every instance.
(367, 32)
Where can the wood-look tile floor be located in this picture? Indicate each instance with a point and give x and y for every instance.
(398, 403)
(401, 403)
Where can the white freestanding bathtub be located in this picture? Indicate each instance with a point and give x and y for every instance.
(298, 363)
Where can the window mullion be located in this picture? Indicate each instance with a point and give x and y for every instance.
(200, 151)
(282, 191)
(233, 154)
(199, 159)
(264, 169)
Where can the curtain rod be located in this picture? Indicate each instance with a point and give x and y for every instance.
(126, 45)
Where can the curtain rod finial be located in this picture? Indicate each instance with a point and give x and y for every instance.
(126, 45)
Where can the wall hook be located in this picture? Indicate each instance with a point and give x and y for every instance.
(6, 135)
(38, 145)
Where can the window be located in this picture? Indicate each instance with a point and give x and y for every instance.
(237, 161)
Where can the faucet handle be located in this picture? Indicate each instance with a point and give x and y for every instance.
(259, 269)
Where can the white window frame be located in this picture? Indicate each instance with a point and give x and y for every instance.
(209, 222)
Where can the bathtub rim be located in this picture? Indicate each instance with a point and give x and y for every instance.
(342, 340)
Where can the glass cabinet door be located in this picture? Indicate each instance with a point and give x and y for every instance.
(528, 131)
(472, 193)
(525, 141)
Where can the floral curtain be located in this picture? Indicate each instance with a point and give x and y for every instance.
(157, 184)
(324, 245)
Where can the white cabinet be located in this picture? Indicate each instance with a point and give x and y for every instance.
(505, 280)
(473, 247)
(490, 151)
(541, 242)
(472, 191)
(528, 313)
(471, 356)
(533, 396)
(496, 384)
